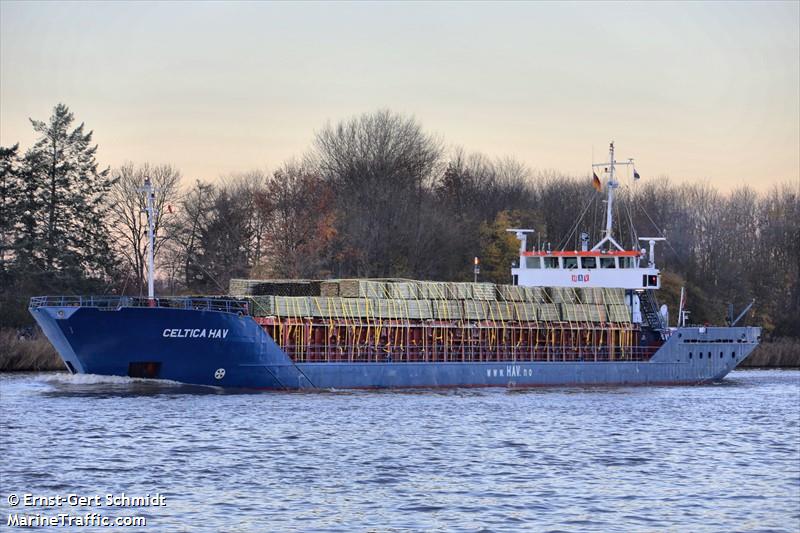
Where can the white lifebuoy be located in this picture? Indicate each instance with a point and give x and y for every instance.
(220, 373)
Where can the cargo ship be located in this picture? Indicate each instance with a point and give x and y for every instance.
(582, 317)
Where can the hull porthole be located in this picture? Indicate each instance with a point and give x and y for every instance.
(220, 373)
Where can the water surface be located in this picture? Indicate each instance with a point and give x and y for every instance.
(722, 457)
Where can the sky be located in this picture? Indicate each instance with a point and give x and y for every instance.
(696, 91)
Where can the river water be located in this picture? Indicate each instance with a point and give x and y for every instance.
(722, 457)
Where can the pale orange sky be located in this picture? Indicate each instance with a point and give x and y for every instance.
(695, 91)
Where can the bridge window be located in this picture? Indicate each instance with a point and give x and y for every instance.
(550, 262)
(626, 262)
(608, 262)
(533, 262)
(588, 262)
(570, 262)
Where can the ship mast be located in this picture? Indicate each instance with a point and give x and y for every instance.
(612, 186)
(150, 210)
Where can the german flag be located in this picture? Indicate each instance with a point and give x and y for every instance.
(596, 182)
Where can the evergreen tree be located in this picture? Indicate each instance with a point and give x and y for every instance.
(66, 196)
(9, 203)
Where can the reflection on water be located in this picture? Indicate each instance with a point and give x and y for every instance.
(721, 457)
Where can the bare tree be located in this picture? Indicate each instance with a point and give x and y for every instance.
(381, 166)
(211, 237)
(195, 209)
(128, 222)
(296, 207)
(247, 188)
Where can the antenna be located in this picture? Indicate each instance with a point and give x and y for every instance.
(652, 242)
(612, 184)
(522, 235)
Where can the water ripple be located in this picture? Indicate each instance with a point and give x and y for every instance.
(715, 458)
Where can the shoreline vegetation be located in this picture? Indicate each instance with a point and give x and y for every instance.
(32, 352)
(27, 351)
(779, 353)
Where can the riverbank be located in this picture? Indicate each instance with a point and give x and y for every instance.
(30, 352)
(27, 351)
(778, 353)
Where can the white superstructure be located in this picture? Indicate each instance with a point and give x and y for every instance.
(607, 264)
(612, 269)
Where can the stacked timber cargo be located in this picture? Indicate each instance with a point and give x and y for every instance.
(396, 299)
(274, 287)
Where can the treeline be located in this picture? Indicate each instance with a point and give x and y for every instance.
(375, 196)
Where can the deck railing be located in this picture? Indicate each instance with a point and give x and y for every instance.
(475, 353)
(226, 305)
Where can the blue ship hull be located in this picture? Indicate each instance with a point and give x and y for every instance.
(227, 349)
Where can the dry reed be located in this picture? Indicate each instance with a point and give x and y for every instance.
(27, 353)
(779, 353)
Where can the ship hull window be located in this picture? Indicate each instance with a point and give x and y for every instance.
(551, 262)
(570, 262)
(588, 262)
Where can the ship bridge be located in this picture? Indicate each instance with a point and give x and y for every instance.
(623, 269)
(606, 265)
